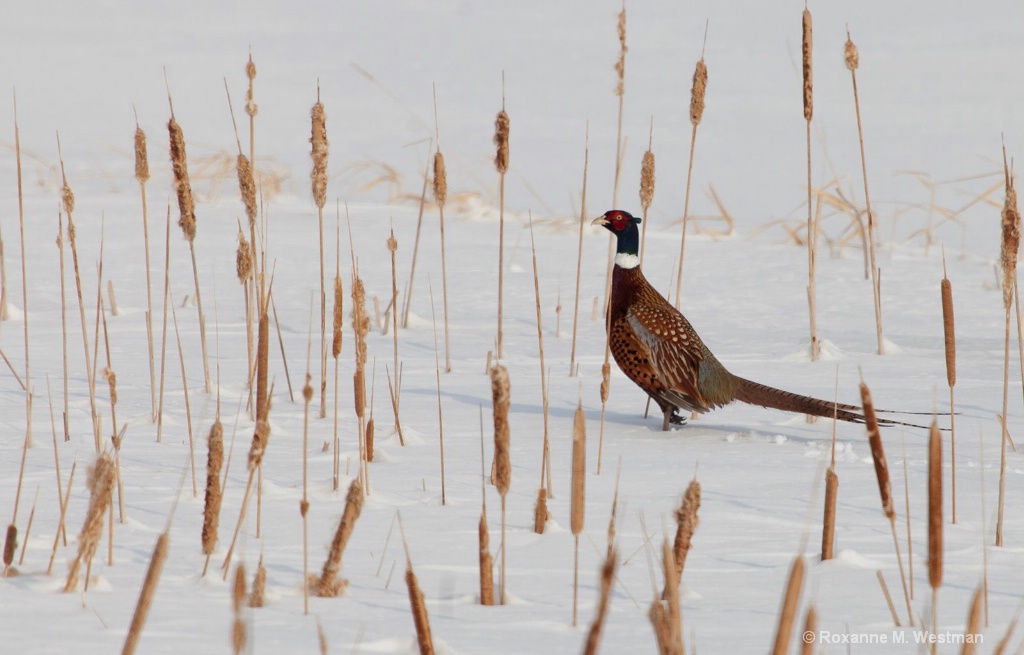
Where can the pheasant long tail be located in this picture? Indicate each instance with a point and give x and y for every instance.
(755, 393)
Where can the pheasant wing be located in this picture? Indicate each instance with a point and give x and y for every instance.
(674, 350)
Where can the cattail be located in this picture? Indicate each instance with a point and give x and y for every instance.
(141, 160)
(259, 585)
(935, 506)
(156, 565)
(319, 154)
(697, 92)
(686, 525)
(419, 612)
(810, 636)
(540, 511)
(620, 64)
(828, 530)
(790, 603)
(238, 636)
(501, 129)
(369, 440)
(877, 453)
(67, 197)
(948, 331)
(321, 638)
(359, 391)
(647, 180)
(607, 579)
(339, 301)
(500, 390)
(111, 378)
(579, 464)
(973, 624)
(186, 206)
(808, 48)
(441, 177)
(243, 259)
(101, 491)
(250, 72)
(10, 545)
(1010, 241)
(211, 509)
(486, 563)
(851, 55)
(659, 620)
(260, 438)
(247, 186)
(328, 585)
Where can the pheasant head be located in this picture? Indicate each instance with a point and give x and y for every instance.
(623, 225)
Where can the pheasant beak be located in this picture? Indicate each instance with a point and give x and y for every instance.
(600, 220)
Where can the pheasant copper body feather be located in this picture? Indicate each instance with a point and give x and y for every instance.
(658, 349)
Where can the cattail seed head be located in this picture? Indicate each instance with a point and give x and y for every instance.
(419, 612)
(486, 562)
(948, 331)
(647, 180)
(111, 377)
(851, 55)
(101, 490)
(259, 585)
(260, 438)
(369, 440)
(973, 622)
(935, 506)
(606, 370)
(1010, 240)
(141, 160)
(182, 186)
(247, 186)
(359, 392)
(808, 48)
(810, 628)
(243, 259)
(392, 243)
(211, 508)
(307, 390)
(339, 300)
(319, 154)
(790, 604)
(68, 198)
(620, 64)
(686, 525)
(440, 179)
(540, 511)
(238, 589)
(250, 72)
(828, 530)
(156, 565)
(10, 544)
(501, 129)
(877, 453)
(579, 470)
(700, 85)
(501, 397)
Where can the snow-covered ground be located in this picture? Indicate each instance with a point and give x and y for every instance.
(937, 90)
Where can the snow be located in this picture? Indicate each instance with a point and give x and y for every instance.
(936, 96)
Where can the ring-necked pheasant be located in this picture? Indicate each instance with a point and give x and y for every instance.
(658, 349)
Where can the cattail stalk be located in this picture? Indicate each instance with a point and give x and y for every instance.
(156, 565)
(307, 398)
(101, 490)
(440, 196)
(56, 457)
(24, 308)
(63, 324)
(419, 612)
(486, 561)
(163, 337)
(852, 62)
(115, 436)
(319, 180)
(28, 527)
(646, 189)
(812, 231)
(4, 309)
(935, 520)
(187, 223)
(620, 93)
(392, 245)
(700, 83)
(577, 503)
(1008, 263)
(545, 460)
(888, 598)
(604, 600)
(501, 398)
(686, 525)
(579, 253)
(790, 604)
(245, 261)
(336, 342)
(142, 176)
(407, 303)
(810, 630)
(188, 407)
(211, 506)
(440, 413)
(884, 482)
(906, 510)
(68, 200)
(501, 130)
(328, 585)
(60, 524)
(949, 341)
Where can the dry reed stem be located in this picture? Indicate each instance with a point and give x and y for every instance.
(437, 376)
(56, 457)
(852, 61)
(211, 507)
(101, 491)
(319, 153)
(321, 638)
(906, 506)
(1010, 244)
(68, 199)
(328, 585)
(486, 562)
(419, 612)
(238, 631)
(188, 406)
(28, 528)
(888, 598)
(392, 246)
(64, 327)
(259, 585)
(24, 305)
(156, 565)
(501, 130)
(812, 235)
(935, 519)
(697, 92)
(539, 517)
(884, 482)
(163, 338)
(828, 529)
(686, 525)
(949, 343)
(604, 600)
(675, 616)
(579, 254)
(61, 530)
(577, 503)
(407, 303)
(790, 604)
(440, 193)
(606, 371)
(339, 304)
(973, 623)
(810, 629)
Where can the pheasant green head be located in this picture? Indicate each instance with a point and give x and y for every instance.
(623, 225)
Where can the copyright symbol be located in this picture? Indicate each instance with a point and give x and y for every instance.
(809, 637)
